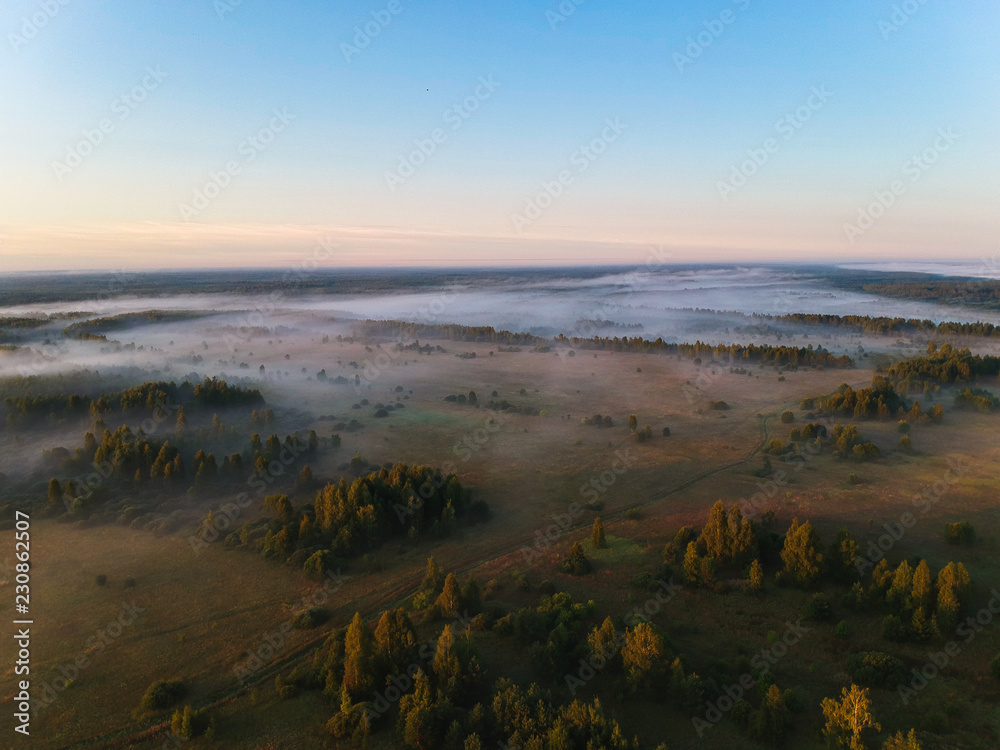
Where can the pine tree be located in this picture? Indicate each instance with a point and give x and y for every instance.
(922, 594)
(692, 564)
(714, 537)
(181, 425)
(597, 534)
(756, 578)
(358, 658)
(898, 595)
(899, 741)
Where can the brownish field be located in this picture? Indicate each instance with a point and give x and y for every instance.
(203, 612)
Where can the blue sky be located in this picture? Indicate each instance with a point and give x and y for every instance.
(523, 167)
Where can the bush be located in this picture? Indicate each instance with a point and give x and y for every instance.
(163, 694)
(960, 533)
(905, 443)
(995, 667)
(577, 563)
(903, 427)
(819, 608)
(787, 417)
(309, 618)
(102, 579)
(843, 630)
(875, 669)
(893, 629)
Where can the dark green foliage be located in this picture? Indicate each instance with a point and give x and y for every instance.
(310, 618)
(875, 669)
(818, 608)
(577, 563)
(995, 667)
(878, 400)
(893, 629)
(389, 503)
(163, 694)
(961, 533)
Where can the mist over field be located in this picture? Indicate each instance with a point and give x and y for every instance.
(547, 375)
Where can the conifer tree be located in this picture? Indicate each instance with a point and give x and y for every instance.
(597, 534)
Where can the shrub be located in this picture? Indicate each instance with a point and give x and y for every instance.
(893, 629)
(843, 630)
(995, 667)
(875, 669)
(905, 443)
(960, 533)
(903, 427)
(819, 608)
(102, 579)
(309, 618)
(577, 563)
(787, 416)
(163, 694)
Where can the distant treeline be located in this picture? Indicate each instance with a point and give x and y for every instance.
(85, 329)
(887, 326)
(449, 331)
(150, 396)
(975, 292)
(789, 356)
